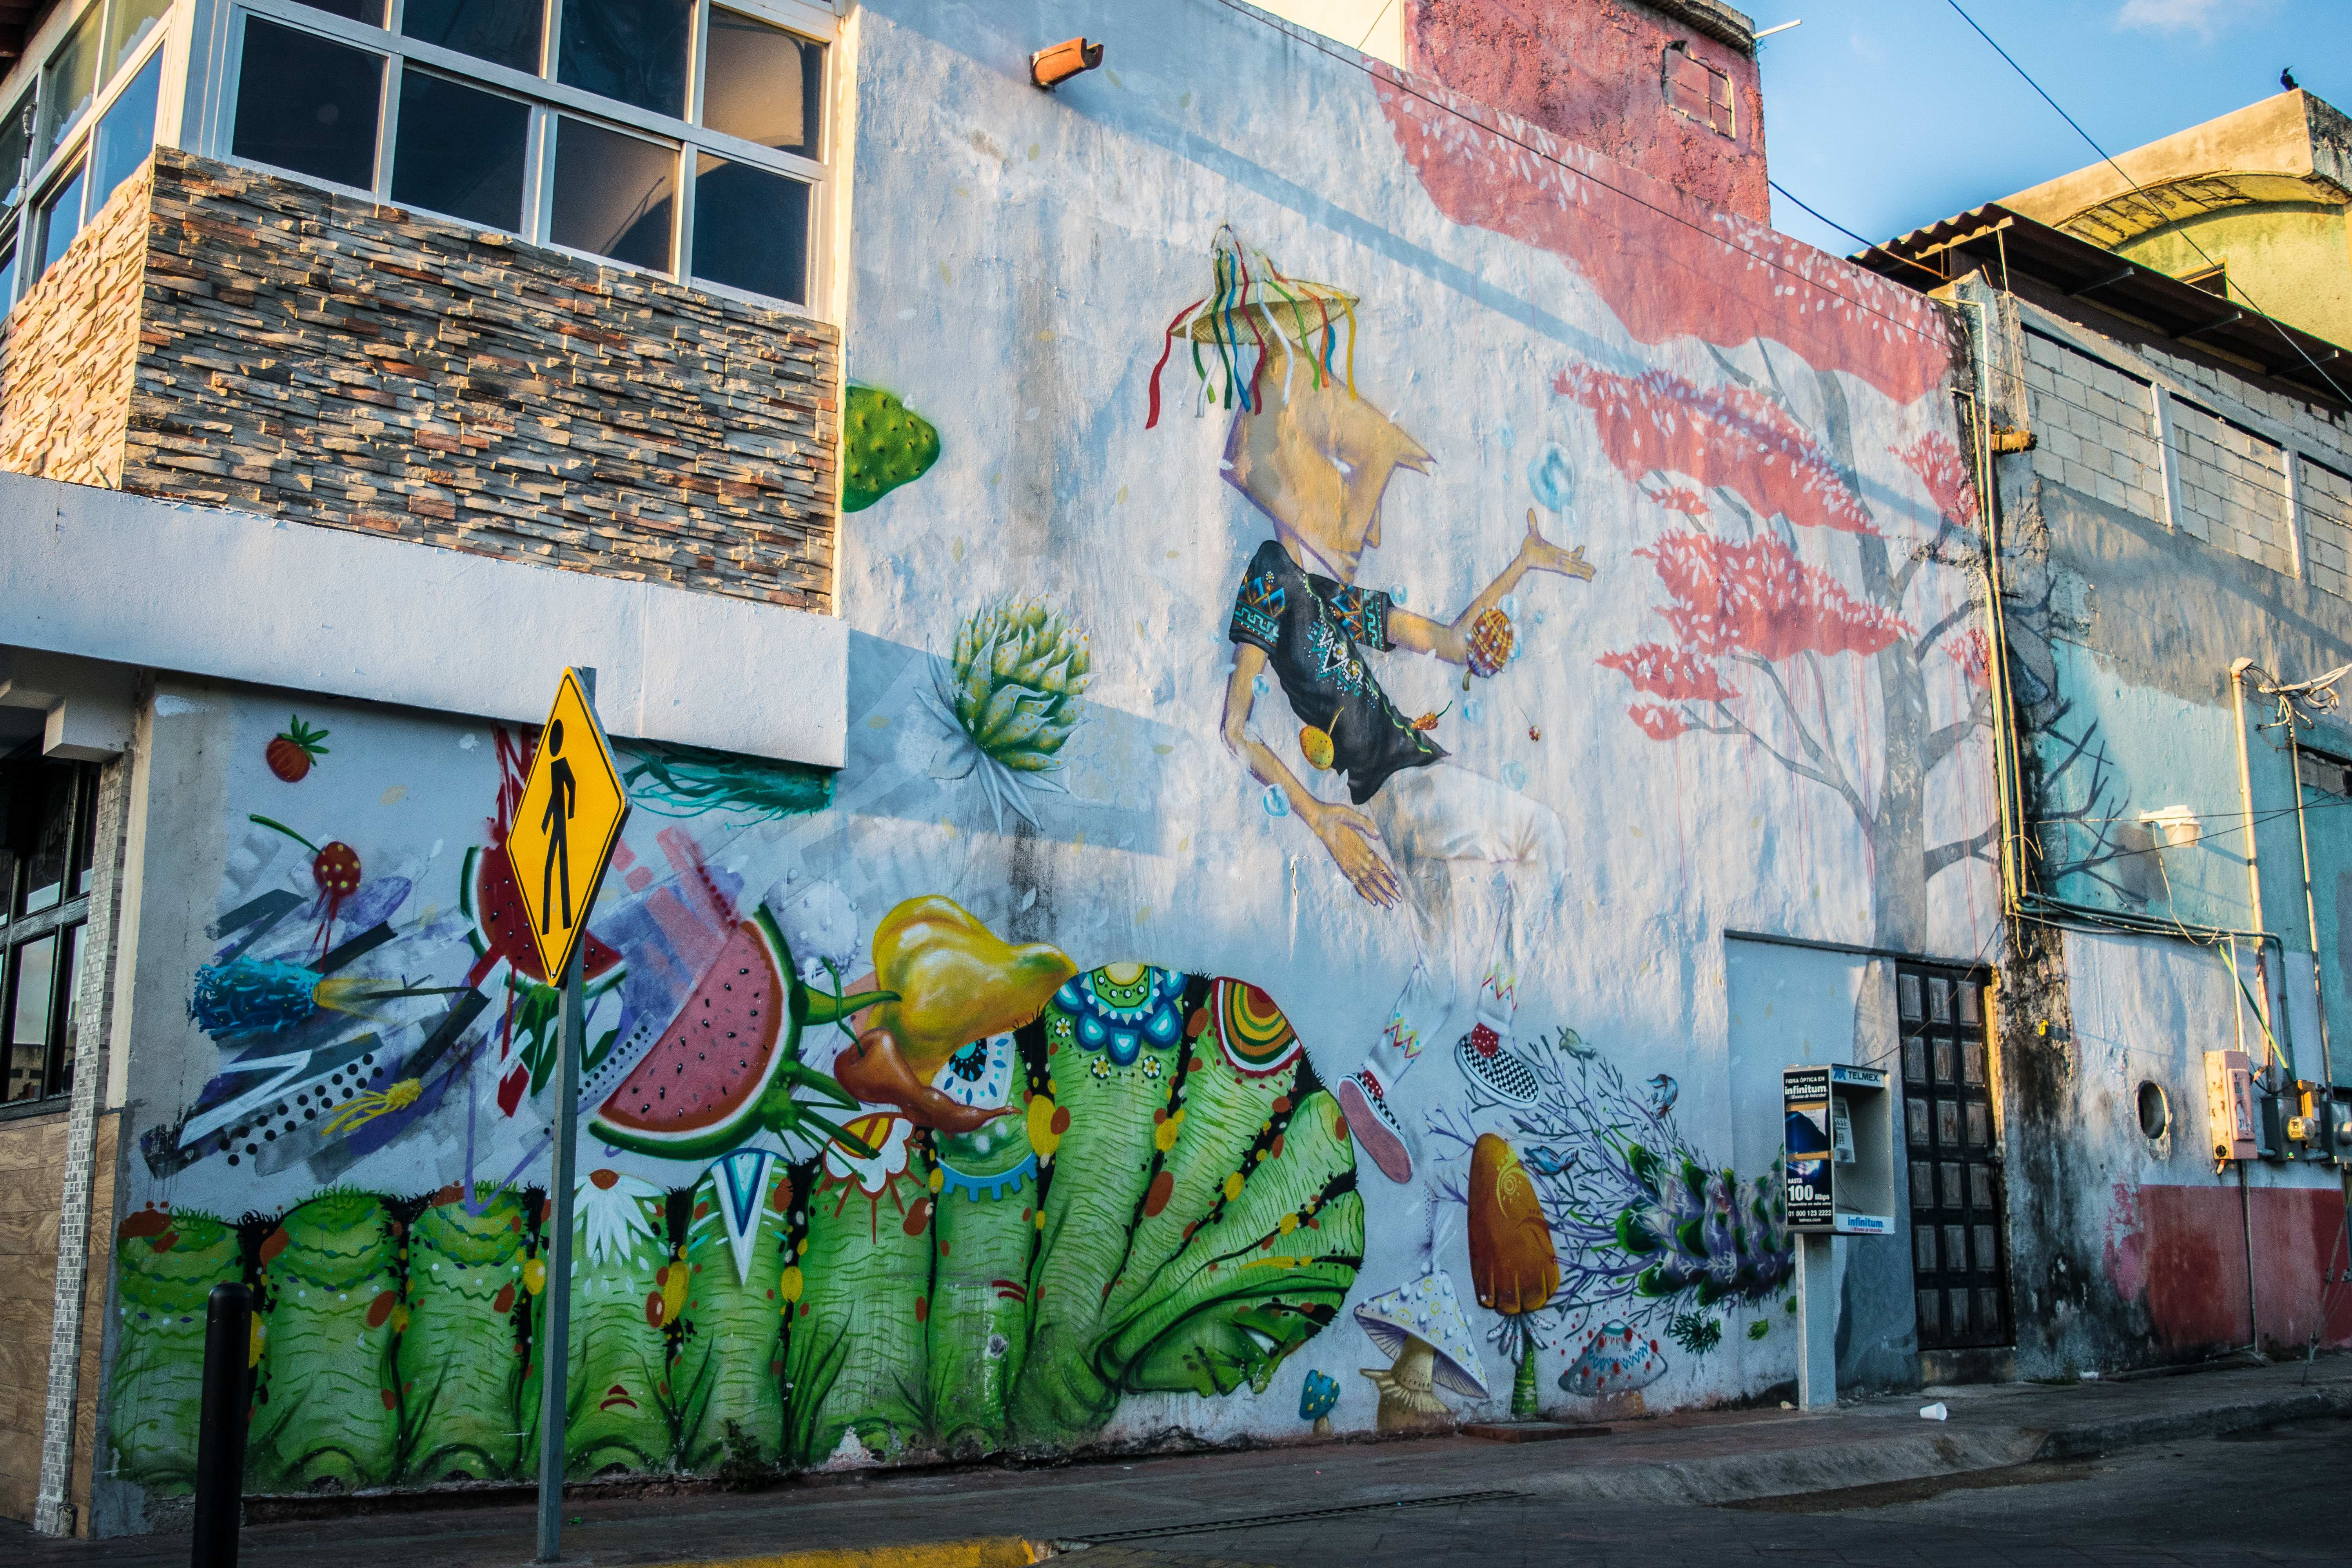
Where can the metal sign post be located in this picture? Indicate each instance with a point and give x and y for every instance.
(565, 826)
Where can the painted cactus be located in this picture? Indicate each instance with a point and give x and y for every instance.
(985, 1232)
(326, 1410)
(169, 1263)
(730, 1363)
(459, 1355)
(617, 1415)
(884, 445)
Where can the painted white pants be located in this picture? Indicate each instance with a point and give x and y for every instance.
(1482, 866)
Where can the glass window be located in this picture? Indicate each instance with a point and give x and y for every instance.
(612, 194)
(67, 85)
(40, 799)
(32, 987)
(127, 134)
(504, 32)
(60, 221)
(368, 11)
(459, 151)
(762, 84)
(8, 275)
(750, 228)
(309, 105)
(130, 24)
(633, 51)
(16, 137)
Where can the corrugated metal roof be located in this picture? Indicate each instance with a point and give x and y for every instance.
(1991, 235)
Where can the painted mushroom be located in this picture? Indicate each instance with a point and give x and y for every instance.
(1513, 1267)
(1421, 1328)
(1615, 1361)
(1315, 1400)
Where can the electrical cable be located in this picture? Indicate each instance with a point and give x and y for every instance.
(2162, 221)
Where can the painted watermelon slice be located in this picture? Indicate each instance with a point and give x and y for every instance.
(728, 1065)
(501, 929)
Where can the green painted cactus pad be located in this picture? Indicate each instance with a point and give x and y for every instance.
(884, 445)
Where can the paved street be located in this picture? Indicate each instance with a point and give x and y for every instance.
(2118, 1482)
(2269, 1498)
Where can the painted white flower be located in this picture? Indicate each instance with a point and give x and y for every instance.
(888, 1135)
(613, 1216)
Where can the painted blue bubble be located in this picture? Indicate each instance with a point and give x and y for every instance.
(1515, 775)
(1510, 605)
(1396, 595)
(1552, 479)
(1473, 711)
(1276, 803)
(1505, 436)
(1261, 685)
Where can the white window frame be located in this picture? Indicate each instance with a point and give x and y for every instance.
(210, 121)
(21, 90)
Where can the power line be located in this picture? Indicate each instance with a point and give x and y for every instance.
(2137, 189)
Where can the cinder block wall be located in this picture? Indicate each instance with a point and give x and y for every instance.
(327, 360)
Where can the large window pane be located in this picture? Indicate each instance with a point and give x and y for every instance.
(67, 85)
(505, 32)
(751, 229)
(62, 1040)
(8, 303)
(15, 136)
(460, 150)
(762, 84)
(612, 194)
(633, 51)
(40, 826)
(127, 134)
(306, 104)
(32, 976)
(368, 11)
(60, 219)
(131, 24)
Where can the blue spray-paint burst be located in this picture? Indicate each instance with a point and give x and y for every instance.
(248, 995)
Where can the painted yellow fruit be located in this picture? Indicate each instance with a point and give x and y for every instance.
(956, 981)
(1315, 745)
(1043, 1135)
(534, 1276)
(789, 1285)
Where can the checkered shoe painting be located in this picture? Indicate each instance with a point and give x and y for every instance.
(1483, 1061)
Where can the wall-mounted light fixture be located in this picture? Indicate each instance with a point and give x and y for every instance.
(1050, 68)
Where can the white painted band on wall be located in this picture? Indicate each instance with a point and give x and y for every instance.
(225, 595)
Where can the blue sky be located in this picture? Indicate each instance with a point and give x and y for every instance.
(1890, 114)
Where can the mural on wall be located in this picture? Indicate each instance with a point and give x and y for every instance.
(968, 1200)
(945, 1106)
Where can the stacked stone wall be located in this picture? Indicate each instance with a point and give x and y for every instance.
(327, 360)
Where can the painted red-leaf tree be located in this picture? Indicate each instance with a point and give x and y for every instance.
(1749, 624)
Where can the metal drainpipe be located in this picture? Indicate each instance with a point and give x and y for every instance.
(2238, 668)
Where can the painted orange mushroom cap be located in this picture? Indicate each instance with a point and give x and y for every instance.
(956, 981)
(1513, 1267)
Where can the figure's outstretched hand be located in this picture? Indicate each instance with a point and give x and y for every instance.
(1540, 554)
(1349, 835)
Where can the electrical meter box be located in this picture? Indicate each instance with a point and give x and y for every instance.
(2230, 1106)
(1838, 1165)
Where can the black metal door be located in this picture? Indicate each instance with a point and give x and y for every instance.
(1958, 1253)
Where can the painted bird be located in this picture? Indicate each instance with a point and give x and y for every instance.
(1663, 1090)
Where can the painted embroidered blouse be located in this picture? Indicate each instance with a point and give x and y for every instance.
(1311, 627)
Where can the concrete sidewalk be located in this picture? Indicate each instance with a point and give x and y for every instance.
(1140, 1511)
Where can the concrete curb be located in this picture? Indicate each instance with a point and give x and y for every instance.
(1814, 1466)
(2097, 1437)
(982, 1552)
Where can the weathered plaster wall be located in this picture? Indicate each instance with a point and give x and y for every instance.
(1597, 72)
(2122, 634)
(2288, 260)
(1175, 942)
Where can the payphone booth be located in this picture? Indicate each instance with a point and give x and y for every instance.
(1838, 1176)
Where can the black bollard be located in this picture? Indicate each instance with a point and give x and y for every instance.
(220, 1435)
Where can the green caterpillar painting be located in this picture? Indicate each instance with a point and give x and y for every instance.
(1143, 1189)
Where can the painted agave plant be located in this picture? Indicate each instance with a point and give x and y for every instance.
(1009, 695)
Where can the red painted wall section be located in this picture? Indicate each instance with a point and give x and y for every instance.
(2185, 1248)
(1597, 73)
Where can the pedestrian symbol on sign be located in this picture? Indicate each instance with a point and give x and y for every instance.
(566, 826)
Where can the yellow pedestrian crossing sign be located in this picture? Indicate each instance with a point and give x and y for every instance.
(565, 827)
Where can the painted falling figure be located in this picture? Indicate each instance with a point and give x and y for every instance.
(1315, 460)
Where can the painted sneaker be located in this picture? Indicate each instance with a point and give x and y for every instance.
(1484, 1062)
(1375, 1125)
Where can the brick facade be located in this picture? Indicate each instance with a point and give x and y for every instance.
(327, 360)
